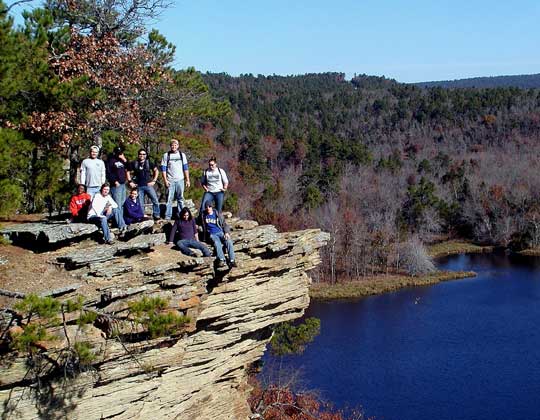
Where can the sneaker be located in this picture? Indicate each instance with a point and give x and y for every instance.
(233, 263)
(110, 242)
(156, 218)
(222, 263)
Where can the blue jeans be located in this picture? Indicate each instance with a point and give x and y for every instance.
(216, 197)
(218, 239)
(148, 190)
(93, 191)
(185, 244)
(119, 195)
(176, 191)
(102, 222)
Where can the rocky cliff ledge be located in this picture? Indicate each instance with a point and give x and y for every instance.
(197, 373)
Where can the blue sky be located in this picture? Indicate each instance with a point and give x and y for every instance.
(410, 41)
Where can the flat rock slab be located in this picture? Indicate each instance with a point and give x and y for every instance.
(102, 253)
(35, 235)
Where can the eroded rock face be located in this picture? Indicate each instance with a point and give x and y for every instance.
(199, 373)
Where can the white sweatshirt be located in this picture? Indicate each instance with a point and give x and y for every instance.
(99, 203)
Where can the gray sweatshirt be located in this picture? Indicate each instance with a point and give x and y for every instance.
(92, 172)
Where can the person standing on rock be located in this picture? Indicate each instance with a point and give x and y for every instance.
(218, 232)
(145, 175)
(116, 176)
(215, 183)
(93, 172)
(103, 207)
(184, 234)
(79, 204)
(175, 173)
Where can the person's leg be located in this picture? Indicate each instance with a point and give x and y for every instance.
(184, 248)
(218, 246)
(200, 246)
(119, 219)
(207, 196)
(179, 191)
(92, 191)
(101, 222)
(230, 249)
(170, 198)
(155, 202)
(141, 191)
(219, 198)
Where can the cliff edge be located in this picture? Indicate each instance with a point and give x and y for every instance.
(196, 372)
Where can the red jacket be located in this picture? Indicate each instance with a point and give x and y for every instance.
(78, 202)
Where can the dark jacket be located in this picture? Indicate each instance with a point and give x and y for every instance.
(133, 213)
(186, 229)
(116, 171)
(142, 173)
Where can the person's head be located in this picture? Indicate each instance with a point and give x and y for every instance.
(208, 208)
(118, 151)
(141, 154)
(175, 144)
(212, 163)
(133, 194)
(105, 189)
(81, 189)
(185, 214)
(94, 152)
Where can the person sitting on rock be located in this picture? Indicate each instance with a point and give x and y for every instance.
(79, 204)
(184, 234)
(218, 232)
(103, 207)
(133, 212)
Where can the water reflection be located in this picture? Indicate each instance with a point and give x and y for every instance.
(463, 349)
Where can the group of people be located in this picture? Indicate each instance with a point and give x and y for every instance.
(102, 191)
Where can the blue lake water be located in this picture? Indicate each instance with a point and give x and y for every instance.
(464, 349)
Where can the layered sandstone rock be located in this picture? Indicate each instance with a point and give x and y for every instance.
(198, 373)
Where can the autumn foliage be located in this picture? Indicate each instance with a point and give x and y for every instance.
(281, 403)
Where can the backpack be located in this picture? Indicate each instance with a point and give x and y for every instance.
(169, 158)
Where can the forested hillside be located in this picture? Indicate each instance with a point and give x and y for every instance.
(524, 81)
(383, 165)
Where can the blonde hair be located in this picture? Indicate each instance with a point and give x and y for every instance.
(175, 141)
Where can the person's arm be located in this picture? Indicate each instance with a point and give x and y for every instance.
(83, 173)
(111, 201)
(155, 173)
(102, 169)
(73, 208)
(185, 168)
(164, 170)
(129, 178)
(225, 180)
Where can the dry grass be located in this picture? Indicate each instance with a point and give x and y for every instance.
(374, 285)
(531, 252)
(443, 249)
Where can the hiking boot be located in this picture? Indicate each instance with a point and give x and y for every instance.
(233, 263)
(221, 263)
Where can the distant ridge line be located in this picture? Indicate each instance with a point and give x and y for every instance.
(524, 81)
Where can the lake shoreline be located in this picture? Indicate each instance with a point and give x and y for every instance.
(379, 284)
